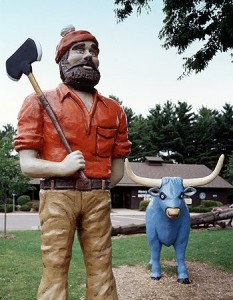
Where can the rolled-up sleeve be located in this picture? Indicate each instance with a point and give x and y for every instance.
(30, 123)
(122, 145)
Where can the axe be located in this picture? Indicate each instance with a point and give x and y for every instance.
(20, 63)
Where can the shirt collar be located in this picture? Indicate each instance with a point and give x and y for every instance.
(64, 91)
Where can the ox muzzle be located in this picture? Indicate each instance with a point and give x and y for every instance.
(173, 213)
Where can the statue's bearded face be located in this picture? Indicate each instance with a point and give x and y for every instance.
(79, 67)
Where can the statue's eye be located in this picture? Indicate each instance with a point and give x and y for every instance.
(162, 196)
(182, 195)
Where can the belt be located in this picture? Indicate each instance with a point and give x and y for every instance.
(74, 184)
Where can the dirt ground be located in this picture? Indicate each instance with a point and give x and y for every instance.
(207, 283)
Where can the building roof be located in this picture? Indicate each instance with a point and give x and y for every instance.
(145, 169)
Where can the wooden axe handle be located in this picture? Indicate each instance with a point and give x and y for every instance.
(53, 117)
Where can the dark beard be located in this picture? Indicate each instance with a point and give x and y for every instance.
(79, 78)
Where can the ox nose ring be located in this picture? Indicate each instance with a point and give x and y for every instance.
(173, 213)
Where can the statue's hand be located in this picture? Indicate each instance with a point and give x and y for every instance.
(72, 163)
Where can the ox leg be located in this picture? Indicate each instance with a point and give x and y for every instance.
(182, 271)
(155, 245)
(155, 248)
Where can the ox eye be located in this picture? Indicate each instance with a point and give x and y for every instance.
(182, 195)
(162, 196)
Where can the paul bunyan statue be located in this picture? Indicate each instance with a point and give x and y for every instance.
(96, 130)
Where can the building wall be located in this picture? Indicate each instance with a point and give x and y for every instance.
(130, 197)
(121, 197)
(127, 197)
(209, 194)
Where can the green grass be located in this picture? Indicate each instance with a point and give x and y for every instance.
(20, 259)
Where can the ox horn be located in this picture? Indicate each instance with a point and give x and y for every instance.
(141, 180)
(186, 182)
(207, 179)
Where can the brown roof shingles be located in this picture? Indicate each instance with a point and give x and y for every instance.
(173, 170)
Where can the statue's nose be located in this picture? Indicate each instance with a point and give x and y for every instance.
(173, 213)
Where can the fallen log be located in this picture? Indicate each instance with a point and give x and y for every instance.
(213, 218)
(199, 219)
(128, 229)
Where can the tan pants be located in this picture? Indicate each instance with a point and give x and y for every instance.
(61, 213)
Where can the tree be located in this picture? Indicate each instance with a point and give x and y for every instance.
(171, 131)
(162, 132)
(137, 129)
(184, 126)
(176, 134)
(169, 138)
(204, 132)
(155, 122)
(229, 171)
(209, 22)
(128, 111)
(11, 179)
(125, 7)
(7, 130)
(224, 131)
(138, 135)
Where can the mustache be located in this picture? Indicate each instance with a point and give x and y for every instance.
(83, 63)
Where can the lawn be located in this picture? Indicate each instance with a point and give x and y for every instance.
(20, 259)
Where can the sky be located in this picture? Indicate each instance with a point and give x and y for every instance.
(133, 64)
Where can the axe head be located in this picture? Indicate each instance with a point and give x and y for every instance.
(20, 62)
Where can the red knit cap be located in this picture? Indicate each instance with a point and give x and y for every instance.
(71, 37)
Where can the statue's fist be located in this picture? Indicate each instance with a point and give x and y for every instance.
(73, 162)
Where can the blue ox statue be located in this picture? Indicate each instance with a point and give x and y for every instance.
(167, 216)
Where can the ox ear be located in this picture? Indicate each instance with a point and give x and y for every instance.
(189, 191)
(154, 191)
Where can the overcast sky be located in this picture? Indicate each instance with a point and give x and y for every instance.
(133, 64)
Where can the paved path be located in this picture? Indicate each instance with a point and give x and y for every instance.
(123, 217)
(30, 221)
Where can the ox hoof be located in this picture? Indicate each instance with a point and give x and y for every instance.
(183, 281)
(156, 278)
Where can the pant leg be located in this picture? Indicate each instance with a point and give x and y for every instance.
(58, 224)
(95, 238)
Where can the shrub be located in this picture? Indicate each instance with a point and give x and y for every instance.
(25, 207)
(8, 201)
(143, 205)
(23, 199)
(9, 208)
(211, 203)
(200, 209)
(206, 206)
(34, 204)
(2, 208)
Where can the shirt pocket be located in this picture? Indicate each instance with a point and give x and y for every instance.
(105, 141)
